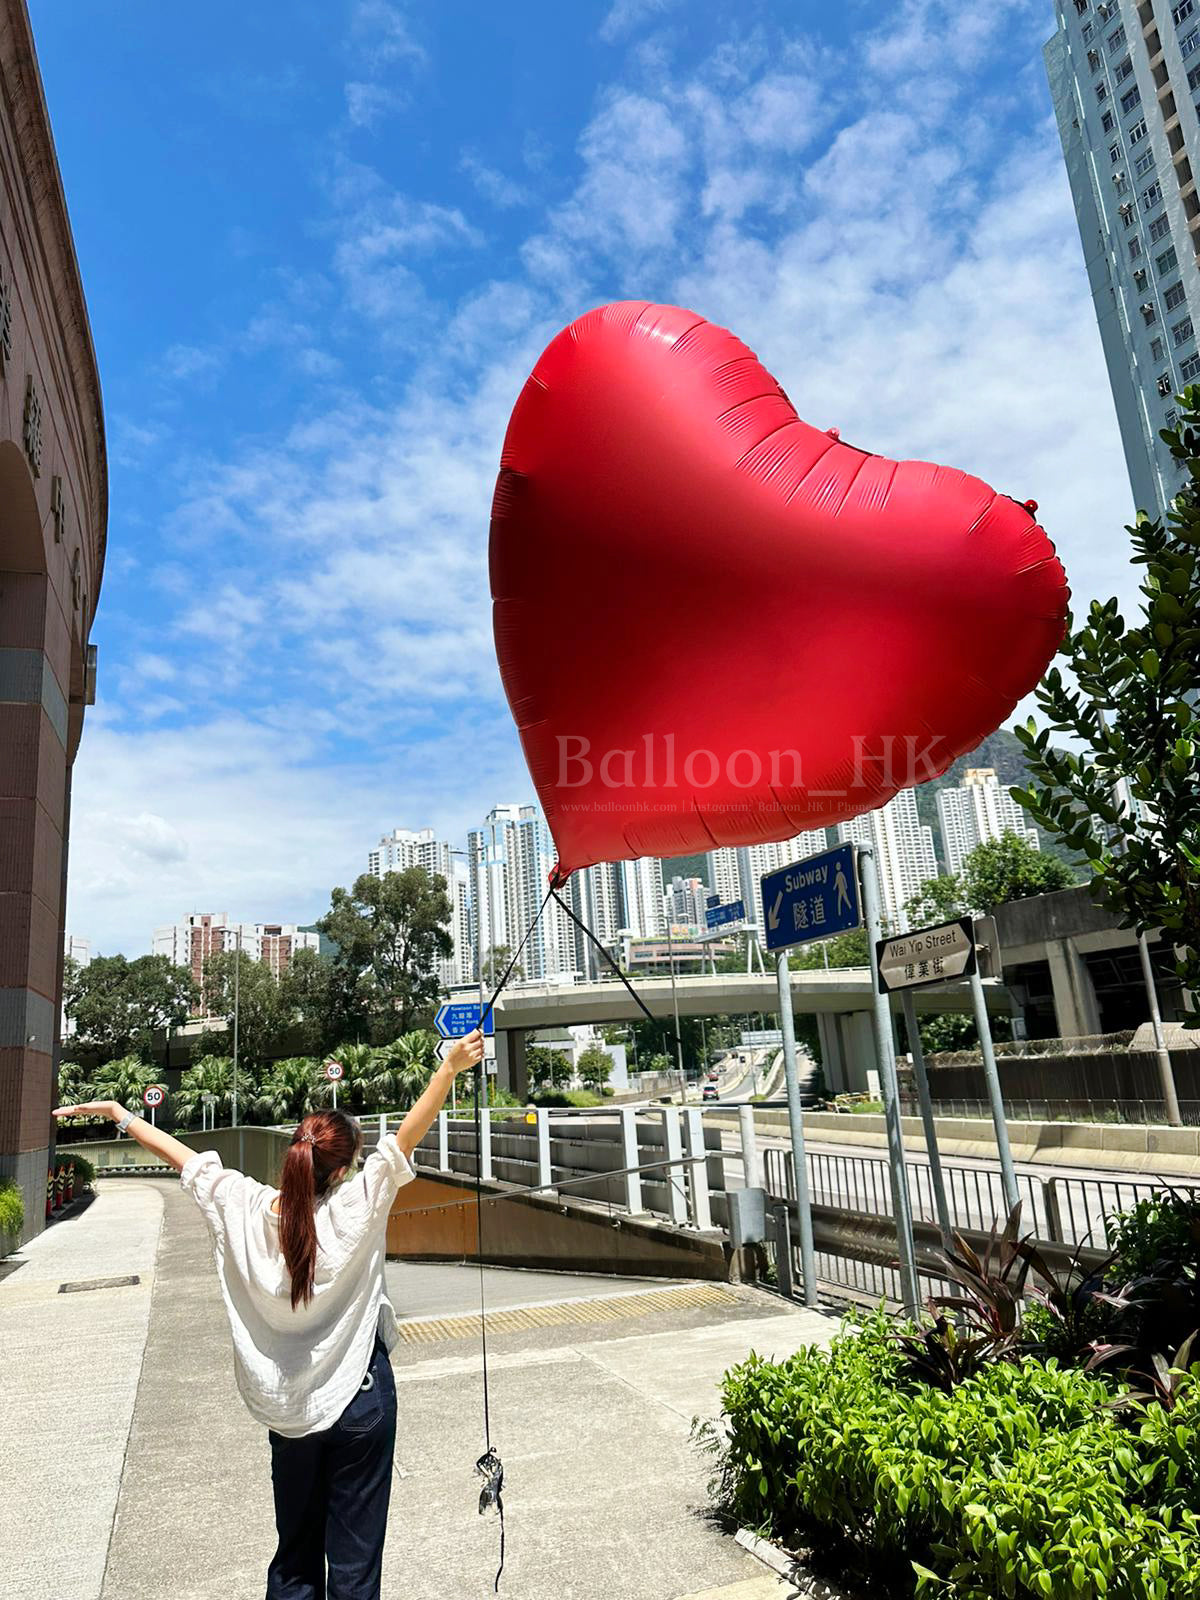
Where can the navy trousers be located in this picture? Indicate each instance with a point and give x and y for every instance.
(332, 1490)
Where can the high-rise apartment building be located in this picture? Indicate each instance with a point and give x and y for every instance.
(724, 877)
(206, 933)
(1125, 80)
(904, 854)
(686, 901)
(403, 848)
(508, 861)
(981, 808)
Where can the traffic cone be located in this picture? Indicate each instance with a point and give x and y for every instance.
(70, 1182)
(49, 1195)
(60, 1181)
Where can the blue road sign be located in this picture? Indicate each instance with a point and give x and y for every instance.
(811, 899)
(712, 900)
(457, 1018)
(716, 916)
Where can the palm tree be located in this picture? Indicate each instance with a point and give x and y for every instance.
(125, 1079)
(404, 1069)
(290, 1090)
(209, 1075)
(358, 1065)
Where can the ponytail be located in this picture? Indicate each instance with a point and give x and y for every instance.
(323, 1143)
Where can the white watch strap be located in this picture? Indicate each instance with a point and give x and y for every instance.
(125, 1121)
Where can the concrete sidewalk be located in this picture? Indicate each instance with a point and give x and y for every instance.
(140, 1475)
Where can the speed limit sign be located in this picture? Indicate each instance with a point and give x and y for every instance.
(334, 1070)
(153, 1096)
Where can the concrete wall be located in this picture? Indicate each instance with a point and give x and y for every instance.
(1097, 1075)
(435, 1219)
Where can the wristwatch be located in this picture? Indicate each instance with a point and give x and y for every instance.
(125, 1121)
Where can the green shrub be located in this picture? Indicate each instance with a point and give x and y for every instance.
(581, 1099)
(12, 1213)
(1162, 1228)
(85, 1172)
(1021, 1482)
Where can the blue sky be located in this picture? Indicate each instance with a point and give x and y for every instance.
(324, 243)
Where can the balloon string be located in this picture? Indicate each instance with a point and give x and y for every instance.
(489, 1465)
(649, 1015)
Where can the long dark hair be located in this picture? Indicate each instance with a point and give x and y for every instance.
(324, 1142)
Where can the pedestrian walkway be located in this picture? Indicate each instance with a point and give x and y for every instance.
(140, 1476)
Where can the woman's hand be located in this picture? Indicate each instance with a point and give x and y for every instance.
(92, 1108)
(467, 1052)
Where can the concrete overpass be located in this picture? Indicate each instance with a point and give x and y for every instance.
(840, 999)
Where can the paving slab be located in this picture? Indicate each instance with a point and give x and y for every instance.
(606, 1497)
(71, 1369)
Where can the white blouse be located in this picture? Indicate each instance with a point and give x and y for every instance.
(298, 1370)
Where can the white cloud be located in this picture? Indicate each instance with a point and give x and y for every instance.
(493, 185)
(627, 15)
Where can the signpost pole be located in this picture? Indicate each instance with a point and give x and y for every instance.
(1008, 1176)
(787, 1027)
(901, 1203)
(936, 1175)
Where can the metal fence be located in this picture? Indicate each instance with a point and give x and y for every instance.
(1150, 1112)
(1068, 1211)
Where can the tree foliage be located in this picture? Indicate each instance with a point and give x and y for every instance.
(255, 996)
(495, 965)
(1130, 707)
(1009, 868)
(118, 1005)
(548, 1069)
(390, 934)
(594, 1067)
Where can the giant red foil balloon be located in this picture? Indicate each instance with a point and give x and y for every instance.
(717, 625)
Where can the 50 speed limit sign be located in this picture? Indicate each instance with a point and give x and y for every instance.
(334, 1070)
(153, 1096)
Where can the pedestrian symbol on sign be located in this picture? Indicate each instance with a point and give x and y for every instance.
(841, 888)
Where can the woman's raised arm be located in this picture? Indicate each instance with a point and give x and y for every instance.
(465, 1053)
(154, 1139)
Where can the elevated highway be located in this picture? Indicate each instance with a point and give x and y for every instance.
(841, 999)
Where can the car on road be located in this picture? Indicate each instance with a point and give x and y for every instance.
(709, 1092)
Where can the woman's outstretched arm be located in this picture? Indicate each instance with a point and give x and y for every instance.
(154, 1139)
(420, 1119)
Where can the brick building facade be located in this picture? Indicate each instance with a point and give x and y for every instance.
(53, 510)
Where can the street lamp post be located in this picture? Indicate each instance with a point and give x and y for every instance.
(237, 974)
(675, 1005)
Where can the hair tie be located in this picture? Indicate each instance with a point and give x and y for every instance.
(308, 1137)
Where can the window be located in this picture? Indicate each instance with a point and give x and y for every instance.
(1171, 417)
(1174, 296)
(1114, 152)
(1129, 213)
(1135, 248)
(1194, 78)
(1182, 10)
(1119, 182)
(1189, 42)
(1152, 195)
(1189, 367)
(1081, 6)
(1123, 70)
(1116, 39)
(1144, 164)
(1101, 91)
(1128, 101)
(1159, 229)
(1167, 262)
(1149, 315)
(1137, 131)
(1182, 332)
(1086, 31)
(1094, 60)
(1164, 384)
(1156, 350)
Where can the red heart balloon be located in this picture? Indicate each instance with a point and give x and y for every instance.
(717, 625)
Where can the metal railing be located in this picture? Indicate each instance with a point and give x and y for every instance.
(1123, 1113)
(1083, 1044)
(1070, 1211)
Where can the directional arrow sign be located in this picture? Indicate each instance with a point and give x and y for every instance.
(444, 1047)
(718, 915)
(458, 1017)
(811, 899)
(931, 955)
